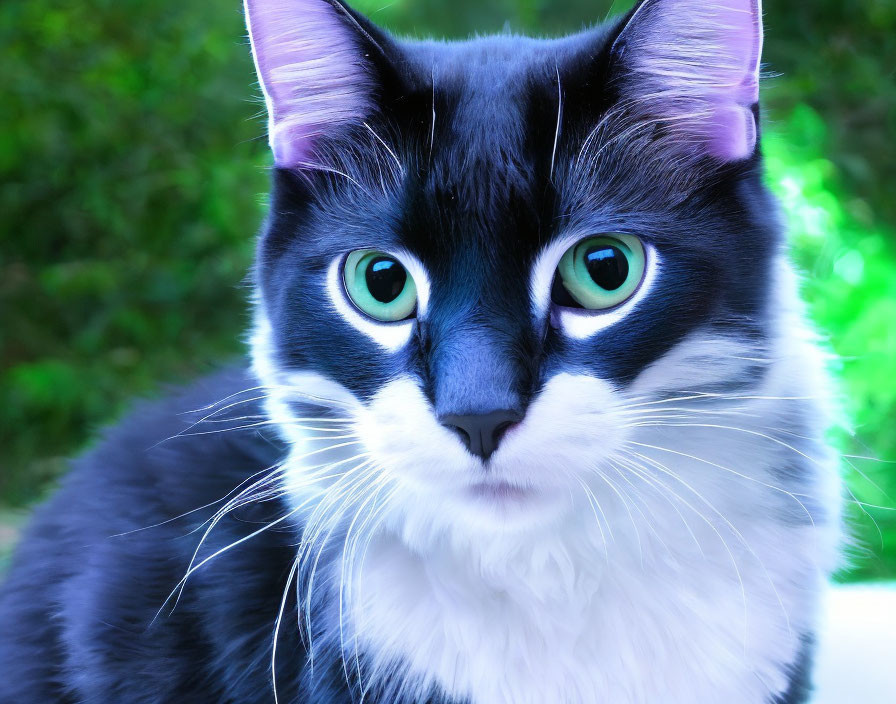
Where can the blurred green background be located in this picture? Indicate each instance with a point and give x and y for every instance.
(133, 174)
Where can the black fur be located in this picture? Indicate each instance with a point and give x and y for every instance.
(800, 689)
(91, 573)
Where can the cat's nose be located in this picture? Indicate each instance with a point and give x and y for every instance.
(481, 432)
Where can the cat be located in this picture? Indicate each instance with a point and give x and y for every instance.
(532, 414)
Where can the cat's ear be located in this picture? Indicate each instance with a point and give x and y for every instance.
(312, 62)
(694, 66)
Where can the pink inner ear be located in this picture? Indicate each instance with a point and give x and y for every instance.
(732, 133)
(310, 69)
(695, 63)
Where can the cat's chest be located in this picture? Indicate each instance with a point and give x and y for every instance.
(621, 632)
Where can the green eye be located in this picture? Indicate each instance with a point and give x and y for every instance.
(379, 285)
(599, 272)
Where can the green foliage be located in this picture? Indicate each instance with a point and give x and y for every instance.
(132, 168)
(132, 165)
(850, 286)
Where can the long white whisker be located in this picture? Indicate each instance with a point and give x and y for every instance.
(731, 471)
(314, 527)
(637, 495)
(348, 547)
(226, 509)
(292, 575)
(712, 526)
(225, 399)
(179, 588)
(616, 491)
(249, 426)
(378, 516)
(661, 467)
(595, 508)
(651, 482)
(200, 508)
(559, 120)
(387, 148)
(743, 430)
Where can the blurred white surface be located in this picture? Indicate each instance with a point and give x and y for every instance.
(856, 660)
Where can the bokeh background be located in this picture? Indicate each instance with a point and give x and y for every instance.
(132, 174)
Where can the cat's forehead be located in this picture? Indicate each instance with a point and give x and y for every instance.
(487, 149)
(494, 61)
(485, 85)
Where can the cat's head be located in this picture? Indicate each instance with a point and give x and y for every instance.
(494, 255)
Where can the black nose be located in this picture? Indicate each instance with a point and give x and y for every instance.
(481, 432)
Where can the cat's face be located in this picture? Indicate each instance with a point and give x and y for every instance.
(493, 256)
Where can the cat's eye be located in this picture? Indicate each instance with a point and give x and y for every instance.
(600, 272)
(379, 285)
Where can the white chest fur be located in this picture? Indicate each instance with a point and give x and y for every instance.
(666, 621)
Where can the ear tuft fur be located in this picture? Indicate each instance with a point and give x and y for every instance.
(311, 70)
(694, 65)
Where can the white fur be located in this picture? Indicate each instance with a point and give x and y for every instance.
(421, 279)
(507, 585)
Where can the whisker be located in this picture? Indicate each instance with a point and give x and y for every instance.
(328, 169)
(179, 588)
(200, 508)
(612, 486)
(744, 430)
(348, 548)
(661, 467)
(377, 516)
(236, 502)
(248, 426)
(316, 528)
(292, 575)
(595, 508)
(559, 120)
(661, 412)
(712, 526)
(869, 459)
(864, 476)
(387, 148)
(651, 482)
(647, 522)
(225, 399)
(731, 471)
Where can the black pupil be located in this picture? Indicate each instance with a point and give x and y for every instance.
(607, 265)
(385, 279)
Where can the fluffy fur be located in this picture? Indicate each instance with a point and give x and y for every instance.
(658, 526)
(696, 65)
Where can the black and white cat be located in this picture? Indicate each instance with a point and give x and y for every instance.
(533, 416)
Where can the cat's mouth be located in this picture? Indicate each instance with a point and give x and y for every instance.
(508, 505)
(499, 492)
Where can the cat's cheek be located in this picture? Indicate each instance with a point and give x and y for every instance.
(574, 425)
(707, 362)
(399, 430)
